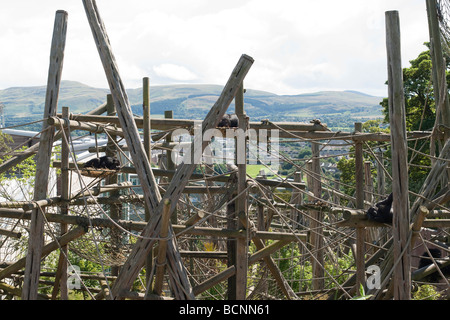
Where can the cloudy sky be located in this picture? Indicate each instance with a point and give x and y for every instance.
(299, 46)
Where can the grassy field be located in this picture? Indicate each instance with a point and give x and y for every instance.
(253, 169)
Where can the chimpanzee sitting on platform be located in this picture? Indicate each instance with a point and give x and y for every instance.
(105, 162)
(228, 121)
(426, 261)
(382, 212)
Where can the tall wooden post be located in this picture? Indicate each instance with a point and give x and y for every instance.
(148, 151)
(241, 201)
(296, 199)
(36, 239)
(317, 222)
(65, 194)
(360, 231)
(231, 243)
(61, 272)
(401, 220)
(438, 61)
(115, 210)
(168, 114)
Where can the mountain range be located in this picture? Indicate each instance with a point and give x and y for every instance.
(194, 102)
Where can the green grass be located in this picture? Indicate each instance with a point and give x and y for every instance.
(253, 169)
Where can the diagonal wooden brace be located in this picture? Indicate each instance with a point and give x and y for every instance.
(136, 258)
(148, 183)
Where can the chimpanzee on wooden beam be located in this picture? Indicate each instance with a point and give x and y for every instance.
(111, 163)
(382, 212)
(425, 261)
(229, 121)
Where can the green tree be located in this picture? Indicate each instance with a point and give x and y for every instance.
(420, 115)
(420, 112)
(346, 166)
(419, 94)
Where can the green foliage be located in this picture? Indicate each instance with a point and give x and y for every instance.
(426, 292)
(23, 173)
(346, 166)
(419, 94)
(362, 294)
(420, 112)
(297, 268)
(347, 177)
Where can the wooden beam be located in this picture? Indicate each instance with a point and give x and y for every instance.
(139, 226)
(36, 239)
(287, 129)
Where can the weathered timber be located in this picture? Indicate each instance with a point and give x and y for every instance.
(9, 233)
(36, 239)
(287, 130)
(200, 177)
(397, 116)
(61, 273)
(86, 126)
(417, 225)
(169, 123)
(359, 195)
(161, 257)
(139, 226)
(241, 265)
(316, 221)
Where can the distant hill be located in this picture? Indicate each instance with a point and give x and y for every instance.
(194, 101)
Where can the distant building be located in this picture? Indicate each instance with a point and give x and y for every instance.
(22, 138)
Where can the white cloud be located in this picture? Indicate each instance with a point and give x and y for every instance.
(298, 45)
(175, 72)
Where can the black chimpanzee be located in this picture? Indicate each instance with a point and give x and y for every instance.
(105, 162)
(425, 261)
(229, 121)
(382, 212)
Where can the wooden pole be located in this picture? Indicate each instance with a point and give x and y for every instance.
(61, 274)
(115, 209)
(438, 61)
(147, 116)
(296, 199)
(36, 239)
(148, 151)
(168, 114)
(417, 225)
(241, 201)
(231, 243)
(359, 194)
(401, 220)
(316, 224)
(161, 258)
